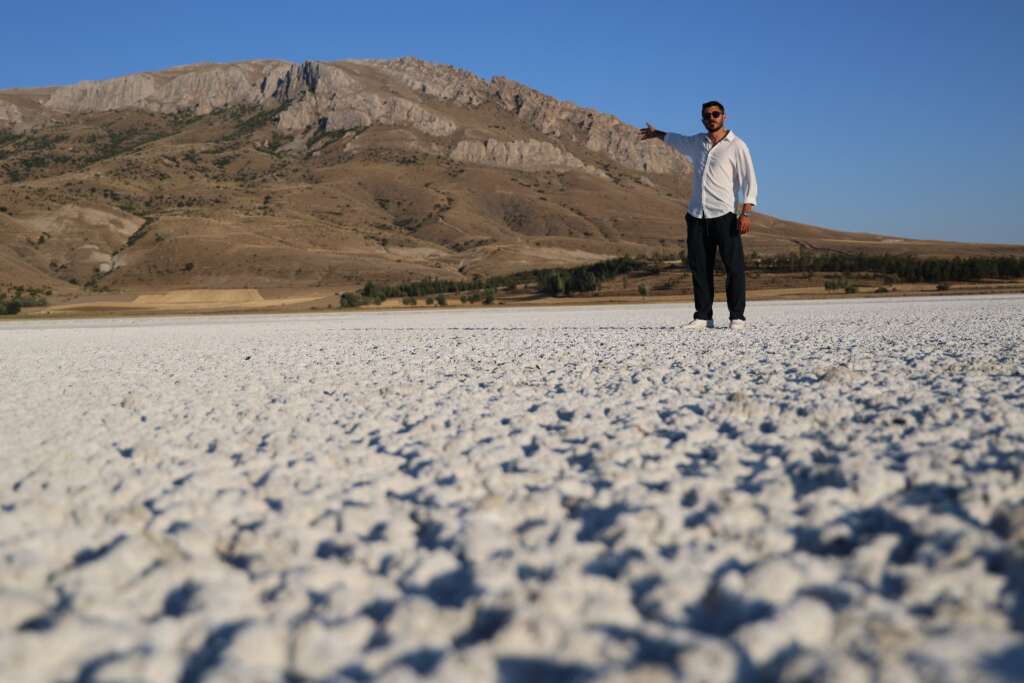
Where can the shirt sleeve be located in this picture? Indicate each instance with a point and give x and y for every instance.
(746, 180)
(684, 144)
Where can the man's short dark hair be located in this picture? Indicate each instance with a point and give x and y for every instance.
(712, 103)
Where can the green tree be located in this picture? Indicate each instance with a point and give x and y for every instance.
(372, 291)
(350, 300)
(581, 280)
(552, 283)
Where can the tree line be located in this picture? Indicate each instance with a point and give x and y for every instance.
(905, 267)
(551, 281)
(588, 278)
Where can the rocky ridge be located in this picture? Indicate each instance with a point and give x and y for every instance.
(321, 97)
(199, 89)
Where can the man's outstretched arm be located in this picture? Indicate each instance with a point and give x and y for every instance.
(649, 131)
(684, 144)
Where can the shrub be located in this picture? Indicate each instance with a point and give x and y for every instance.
(430, 301)
(850, 289)
(552, 283)
(442, 299)
(836, 283)
(350, 300)
(140, 233)
(881, 290)
(563, 282)
(489, 295)
(642, 289)
(942, 286)
(11, 307)
(581, 280)
(372, 291)
(26, 300)
(409, 300)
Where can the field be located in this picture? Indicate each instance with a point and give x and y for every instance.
(568, 493)
(672, 285)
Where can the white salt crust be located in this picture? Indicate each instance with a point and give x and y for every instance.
(570, 494)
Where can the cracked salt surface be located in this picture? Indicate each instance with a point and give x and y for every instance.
(578, 494)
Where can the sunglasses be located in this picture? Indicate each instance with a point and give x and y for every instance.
(711, 115)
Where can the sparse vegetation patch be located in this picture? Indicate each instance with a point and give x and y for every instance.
(13, 298)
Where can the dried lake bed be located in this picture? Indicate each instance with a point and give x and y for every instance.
(566, 494)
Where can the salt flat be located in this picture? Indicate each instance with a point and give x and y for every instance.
(586, 493)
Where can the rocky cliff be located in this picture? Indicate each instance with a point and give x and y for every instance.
(321, 97)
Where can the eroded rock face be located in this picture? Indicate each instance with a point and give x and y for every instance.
(437, 80)
(116, 93)
(205, 91)
(199, 89)
(326, 96)
(10, 115)
(527, 155)
(596, 131)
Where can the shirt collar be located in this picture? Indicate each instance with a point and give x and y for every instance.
(730, 136)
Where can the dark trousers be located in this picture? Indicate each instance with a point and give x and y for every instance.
(703, 236)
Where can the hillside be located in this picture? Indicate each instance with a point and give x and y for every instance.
(327, 174)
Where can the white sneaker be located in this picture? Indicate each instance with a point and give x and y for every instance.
(737, 324)
(697, 324)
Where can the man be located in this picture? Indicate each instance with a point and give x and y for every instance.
(721, 166)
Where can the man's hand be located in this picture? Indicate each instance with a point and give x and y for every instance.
(744, 224)
(650, 131)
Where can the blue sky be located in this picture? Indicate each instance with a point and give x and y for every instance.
(902, 118)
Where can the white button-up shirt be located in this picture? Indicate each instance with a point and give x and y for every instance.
(718, 172)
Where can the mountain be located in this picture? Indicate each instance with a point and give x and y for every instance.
(327, 174)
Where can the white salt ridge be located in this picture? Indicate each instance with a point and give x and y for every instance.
(562, 494)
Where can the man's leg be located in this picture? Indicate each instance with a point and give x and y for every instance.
(700, 256)
(730, 245)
